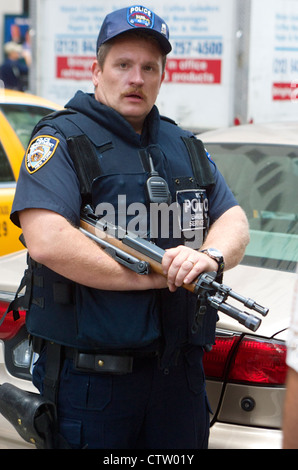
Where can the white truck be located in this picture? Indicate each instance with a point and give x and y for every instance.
(233, 61)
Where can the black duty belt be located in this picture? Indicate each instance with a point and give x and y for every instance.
(83, 361)
(104, 363)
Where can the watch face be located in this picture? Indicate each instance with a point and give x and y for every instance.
(217, 255)
(214, 252)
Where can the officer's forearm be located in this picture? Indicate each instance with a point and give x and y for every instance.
(230, 235)
(52, 241)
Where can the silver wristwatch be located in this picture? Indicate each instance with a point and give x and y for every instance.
(217, 256)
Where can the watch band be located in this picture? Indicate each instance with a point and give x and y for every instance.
(217, 256)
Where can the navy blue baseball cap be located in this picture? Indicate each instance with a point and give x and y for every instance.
(134, 17)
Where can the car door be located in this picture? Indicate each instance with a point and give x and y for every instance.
(11, 154)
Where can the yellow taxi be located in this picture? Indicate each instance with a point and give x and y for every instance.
(19, 112)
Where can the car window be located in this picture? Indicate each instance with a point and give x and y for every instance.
(264, 179)
(6, 174)
(23, 118)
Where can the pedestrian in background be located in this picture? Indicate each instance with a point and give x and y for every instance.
(15, 68)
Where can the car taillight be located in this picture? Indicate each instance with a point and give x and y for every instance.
(247, 360)
(10, 327)
(217, 360)
(259, 361)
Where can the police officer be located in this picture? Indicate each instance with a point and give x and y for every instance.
(121, 353)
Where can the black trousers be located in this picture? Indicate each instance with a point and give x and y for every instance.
(149, 408)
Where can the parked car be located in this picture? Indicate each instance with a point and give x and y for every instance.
(19, 112)
(15, 351)
(245, 370)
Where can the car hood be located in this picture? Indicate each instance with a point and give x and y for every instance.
(12, 268)
(279, 133)
(269, 288)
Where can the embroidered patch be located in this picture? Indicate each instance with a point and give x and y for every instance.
(194, 217)
(40, 150)
(194, 209)
(140, 16)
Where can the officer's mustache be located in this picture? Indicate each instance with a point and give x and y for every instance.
(134, 92)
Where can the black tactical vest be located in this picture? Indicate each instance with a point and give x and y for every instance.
(90, 319)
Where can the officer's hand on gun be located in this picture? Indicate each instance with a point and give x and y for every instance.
(182, 265)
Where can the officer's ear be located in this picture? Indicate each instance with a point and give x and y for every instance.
(161, 80)
(96, 71)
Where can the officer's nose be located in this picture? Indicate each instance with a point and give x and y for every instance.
(136, 77)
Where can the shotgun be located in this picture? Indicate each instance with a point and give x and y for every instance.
(143, 256)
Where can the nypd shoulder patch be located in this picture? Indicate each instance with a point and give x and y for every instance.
(39, 152)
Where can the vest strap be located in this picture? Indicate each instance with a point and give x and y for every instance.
(52, 371)
(86, 163)
(22, 302)
(200, 164)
